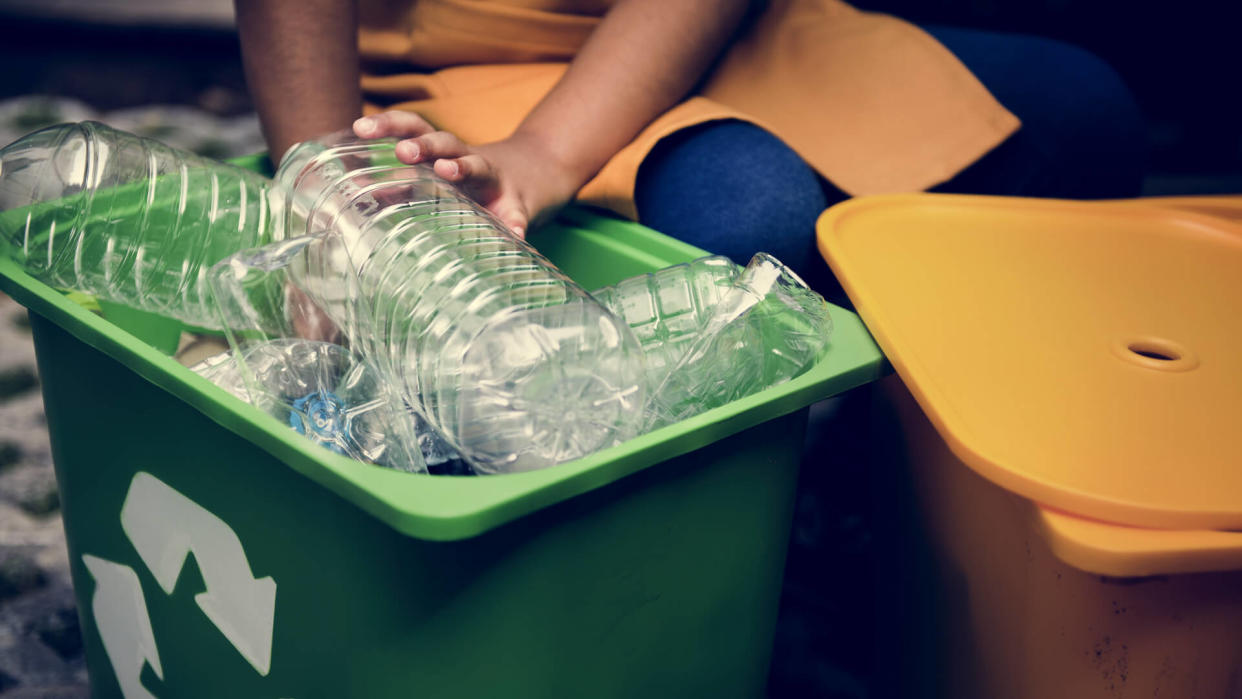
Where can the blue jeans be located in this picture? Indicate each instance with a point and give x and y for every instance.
(734, 189)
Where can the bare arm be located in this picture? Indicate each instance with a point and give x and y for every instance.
(301, 62)
(644, 57)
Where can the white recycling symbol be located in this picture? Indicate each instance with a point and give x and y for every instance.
(121, 616)
(165, 527)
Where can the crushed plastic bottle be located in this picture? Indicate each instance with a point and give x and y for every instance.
(257, 296)
(668, 309)
(286, 360)
(325, 393)
(126, 219)
(766, 329)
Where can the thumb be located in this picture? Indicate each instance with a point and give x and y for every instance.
(513, 214)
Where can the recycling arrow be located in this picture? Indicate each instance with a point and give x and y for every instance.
(121, 616)
(165, 526)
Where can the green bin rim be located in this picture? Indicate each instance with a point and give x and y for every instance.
(447, 508)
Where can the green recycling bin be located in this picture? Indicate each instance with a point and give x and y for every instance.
(215, 553)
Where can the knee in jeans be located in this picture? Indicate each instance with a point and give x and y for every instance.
(734, 189)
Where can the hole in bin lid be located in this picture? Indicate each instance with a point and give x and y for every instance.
(1087, 355)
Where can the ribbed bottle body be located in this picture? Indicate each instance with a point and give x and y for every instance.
(126, 218)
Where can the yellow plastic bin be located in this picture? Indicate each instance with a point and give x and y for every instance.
(1066, 426)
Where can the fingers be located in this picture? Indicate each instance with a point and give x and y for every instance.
(451, 159)
(396, 124)
(473, 167)
(422, 143)
(429, 147)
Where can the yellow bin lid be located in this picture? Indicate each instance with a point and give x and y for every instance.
(1120, 551)
(1223, 205)
(1087, 356)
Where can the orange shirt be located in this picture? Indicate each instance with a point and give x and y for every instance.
(873, 103)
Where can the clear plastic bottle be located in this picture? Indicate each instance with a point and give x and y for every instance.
(126, 219)
(515, 364)
(667, 309)
(325, 393)
(766, 328)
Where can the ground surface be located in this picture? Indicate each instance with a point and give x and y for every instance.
(40, 645)
(40, 641)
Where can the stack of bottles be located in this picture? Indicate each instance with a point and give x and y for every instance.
(383, 314)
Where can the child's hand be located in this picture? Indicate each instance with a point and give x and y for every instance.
(516, 179)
